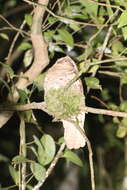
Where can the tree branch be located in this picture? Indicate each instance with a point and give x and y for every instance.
(40, 58)
(51, 167)
(42, 106)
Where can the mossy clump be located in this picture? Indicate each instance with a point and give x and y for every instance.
(63, 104)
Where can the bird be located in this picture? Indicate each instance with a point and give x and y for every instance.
(58, 76)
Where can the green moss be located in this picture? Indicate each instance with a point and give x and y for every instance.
(63, 104)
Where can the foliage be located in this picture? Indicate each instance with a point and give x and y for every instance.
(90, 32)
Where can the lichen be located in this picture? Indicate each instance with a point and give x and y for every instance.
(63, 104)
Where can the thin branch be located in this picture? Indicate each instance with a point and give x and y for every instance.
(42, 106)
(108, 5)
(82, 132)
(105, 42)
(14, 41)
(104, 112)
(51, 167)
(107, 61)
(23, 151)
(64, 19)
(13, 27)
(40, 58)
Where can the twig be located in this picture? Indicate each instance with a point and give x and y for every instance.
(14, 41)
(40, 58)
(101, 102)
(64, 18)
(104, 112)
(108, 5)
(107, 61)
(13, 27)
(110, 73)
(23, 152)
(51, 167)
(42, 106)
(105, 42)
(82, 132)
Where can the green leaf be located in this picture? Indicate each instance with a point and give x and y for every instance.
(73, 157)
(49, 150)
(75, 27)
(37, 141)
(124, 79)
(4, 36)
(24, 46)
(6, 85)
(38, 171)
(123, 19)
(61, 140)
(34, 150)
(124, 31)
(28, 19)
(8, 69)
(124, 122)
(28, 57)
(52, 19)
(113, 106)
(123, 106)
(14, 174)
(23, 96)
(92, 82)
(117, 47)
(109, 9)
(66, 37)
(116, 120)
(3, 158)
(19, 159)
(121, 132)
(48, 35)
(91, 7)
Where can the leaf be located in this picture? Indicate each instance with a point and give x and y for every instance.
(49, 150)
(48, 35)
(37, 141)
(124, 79)
(3, 158)
(6, 85)
(28, 19)
(34, 151)
(19, 159)
(123, 19)
(28, 57)
(4, 36)
(113, 106)
(109, 9)
(75, 27)
(92, 82)
(91, 7)
(23, 96)
(24, 46)
(14, 174)
(38, 171)
(123, 106)
(117, 47)
(61, 140)
(73, 157)
(124, 122)
(66, 37)
(8, 69)
(124, 31)
(121, 132)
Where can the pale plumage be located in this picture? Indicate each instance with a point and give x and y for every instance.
(58, 76)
